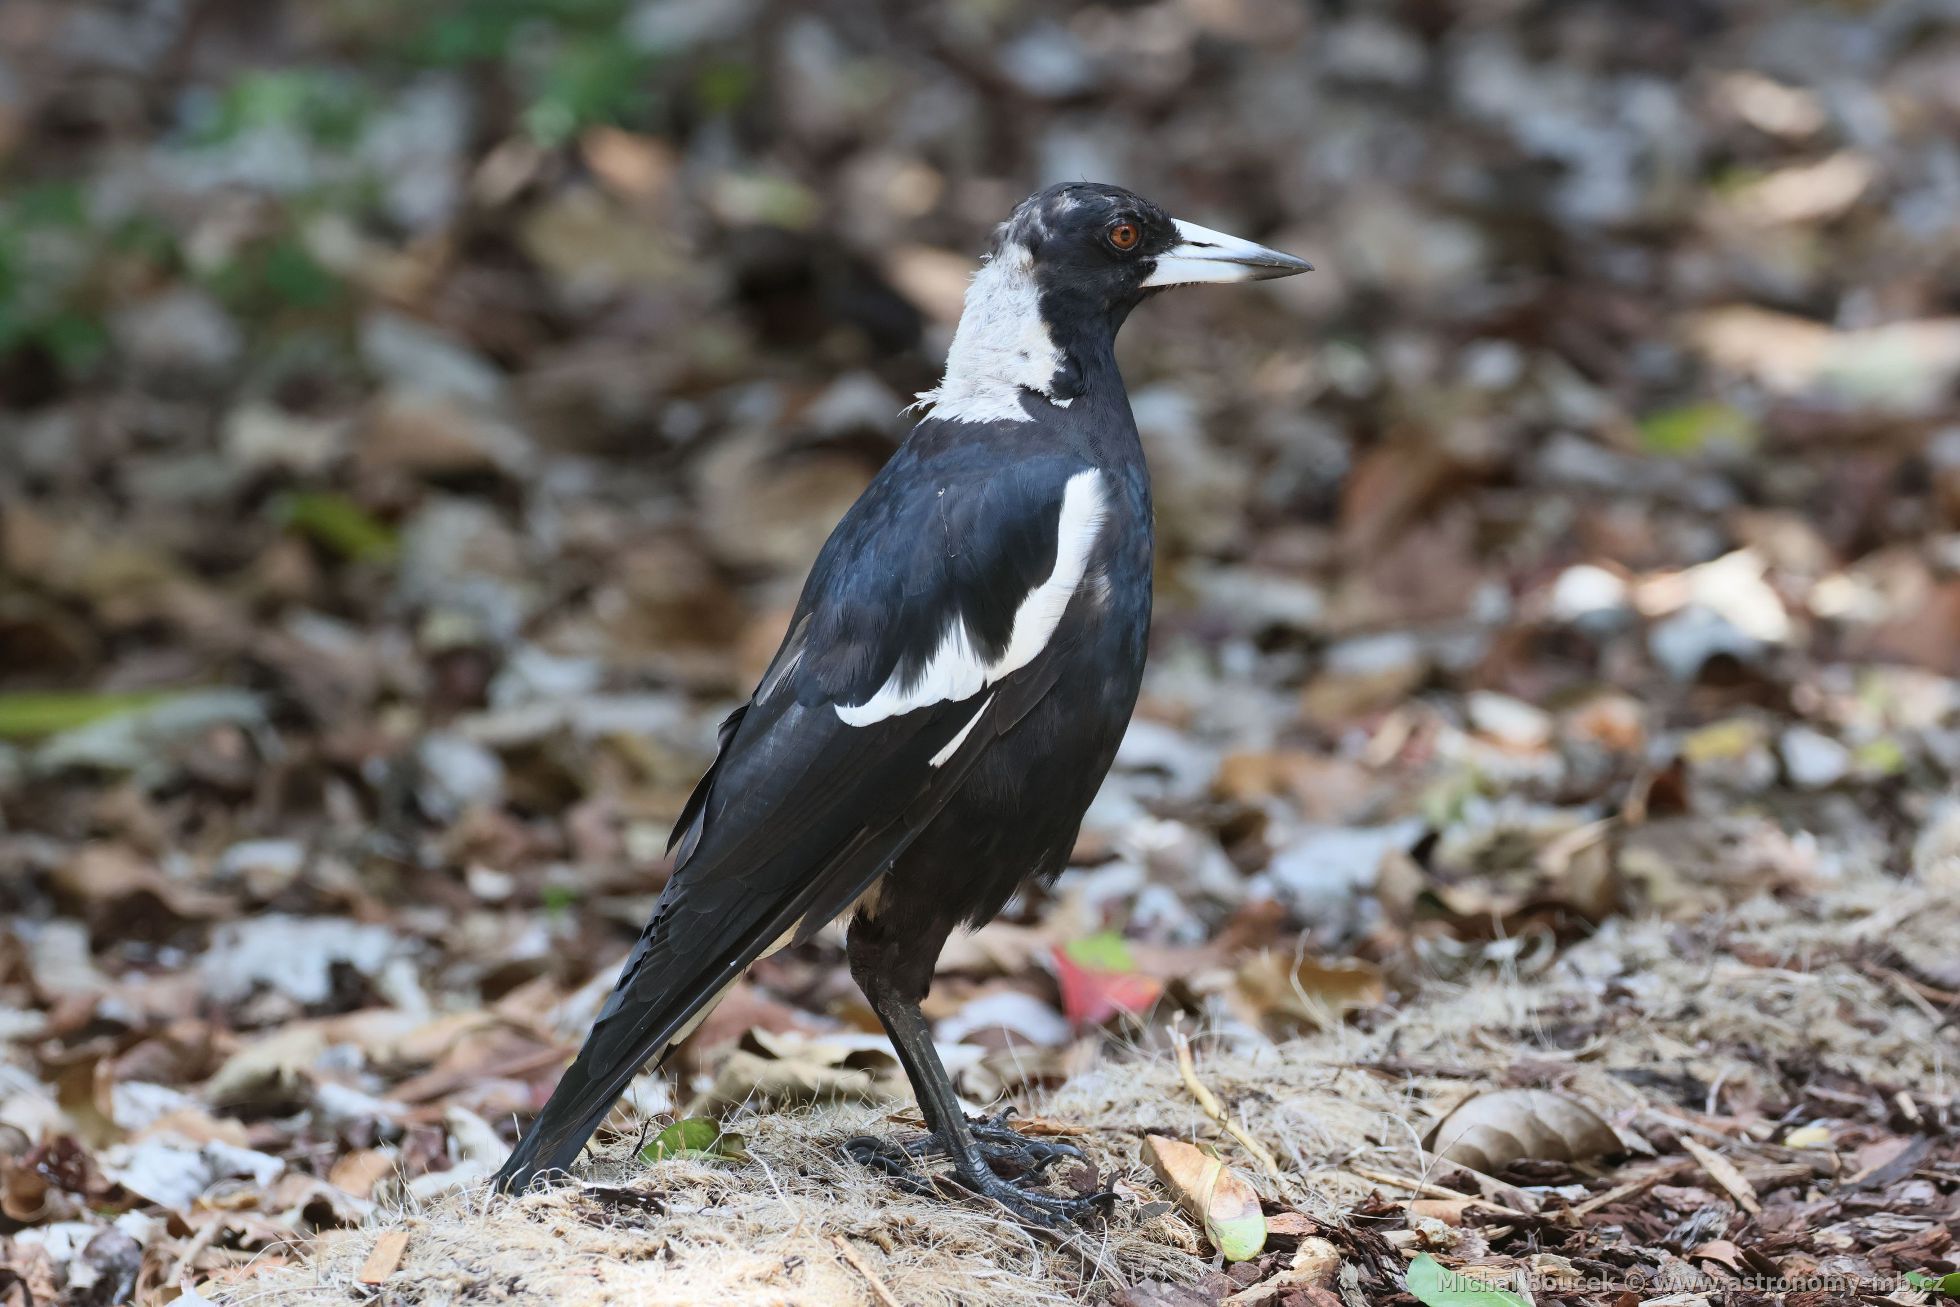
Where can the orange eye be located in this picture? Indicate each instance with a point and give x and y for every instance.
(1125, 235)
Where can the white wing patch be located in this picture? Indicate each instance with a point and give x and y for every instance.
(953, 745)
(956, 669)
(1001, 347)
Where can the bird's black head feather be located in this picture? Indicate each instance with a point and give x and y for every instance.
(1066, 269)
(1070, 234)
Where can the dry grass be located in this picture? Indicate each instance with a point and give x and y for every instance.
(1731, 1002)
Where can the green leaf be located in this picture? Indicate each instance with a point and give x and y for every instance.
(1947, 1285)
(1694, 427)
(724, 86)
(1103, 951)
(339, 524)
(296, 277)
(76, 340)
(1431, 1283)
(1882, 756)
(596, 79)
(32, 715)
(326, 107)
(698, 1138)
(50, 204)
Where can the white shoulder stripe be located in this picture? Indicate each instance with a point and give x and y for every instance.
(956, 669)
(1084, 506)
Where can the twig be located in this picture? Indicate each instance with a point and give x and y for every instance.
(1617, 1192)
(862, 1267)
(1187, 1070)
(1429, 1190)
(1489, 1185)
(1920, 996)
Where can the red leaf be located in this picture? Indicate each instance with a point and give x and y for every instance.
(1091, 996)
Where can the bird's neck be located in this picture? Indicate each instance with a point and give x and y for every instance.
(1006, 348)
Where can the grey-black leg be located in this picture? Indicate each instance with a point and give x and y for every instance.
(972, 1148)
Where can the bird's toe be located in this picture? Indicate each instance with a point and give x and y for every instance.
(891, 1160)
(1035, 1207)
(1001, 1144)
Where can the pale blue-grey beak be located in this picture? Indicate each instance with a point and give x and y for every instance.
(1204, 255)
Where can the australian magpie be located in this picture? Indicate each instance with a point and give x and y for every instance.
(963, 660)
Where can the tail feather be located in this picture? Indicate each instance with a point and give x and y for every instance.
(664, 990)
(637, 1026)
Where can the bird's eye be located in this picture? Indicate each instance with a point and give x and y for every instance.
(1125, 235)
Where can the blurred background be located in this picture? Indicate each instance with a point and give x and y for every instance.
(416, 421)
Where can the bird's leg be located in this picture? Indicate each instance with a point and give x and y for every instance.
(971, 1147)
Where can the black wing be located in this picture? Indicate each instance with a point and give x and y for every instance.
(844, 754)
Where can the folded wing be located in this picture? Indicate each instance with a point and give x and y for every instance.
(926, 629)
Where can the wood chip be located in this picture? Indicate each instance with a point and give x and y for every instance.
(386, 1257)
(1723, 1173)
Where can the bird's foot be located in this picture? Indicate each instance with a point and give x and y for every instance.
(1032, 1205)
(1006, 1150)
(894, 1161)
(1010, 1162)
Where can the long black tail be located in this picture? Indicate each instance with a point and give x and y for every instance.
(708, 926)
(648, 1012)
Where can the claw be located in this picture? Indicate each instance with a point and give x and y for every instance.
(1001, 1148)
(1001, 1142)
(1036, 1207)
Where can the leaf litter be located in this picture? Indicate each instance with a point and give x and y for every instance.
(409, 448)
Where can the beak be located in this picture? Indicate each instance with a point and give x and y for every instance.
(1202, 254)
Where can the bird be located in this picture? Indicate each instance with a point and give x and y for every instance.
(958, 671)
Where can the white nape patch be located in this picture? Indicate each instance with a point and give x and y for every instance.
(953, 745)
(1204, 255)
(956, 669)
(1001, 347)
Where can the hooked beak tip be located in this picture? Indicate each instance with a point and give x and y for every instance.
(1285, 265)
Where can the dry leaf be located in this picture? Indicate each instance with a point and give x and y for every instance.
(1490, 1131)
(358, 1172)
(1099, 978)
(1310, 993)
(1212, 1194)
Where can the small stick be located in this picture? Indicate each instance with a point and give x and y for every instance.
(1187, 1070)
(862, 1267)
(1616, 1193)
(1429, 1190)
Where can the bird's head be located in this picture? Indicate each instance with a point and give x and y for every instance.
(1107, 247)
(1066, 269)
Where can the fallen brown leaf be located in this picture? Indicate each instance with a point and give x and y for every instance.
(1283, 992)
(1490, 1131)
(1212, 1194)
